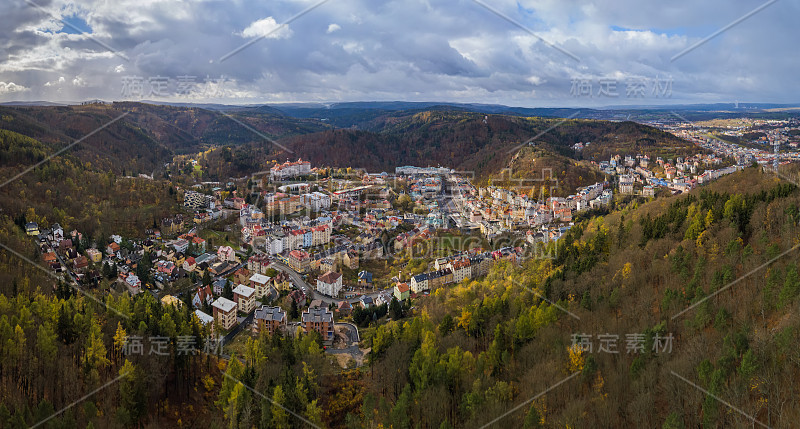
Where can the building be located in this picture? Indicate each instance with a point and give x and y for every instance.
(171, 300)
(204, 318)
(260, 283)
(94, 255)
(318, 320)
(268, 320)
(32, 228)
(290, 169)
(401, 291)
(202, 295)
(195, 200)
(133, 281)
(299, 260)
(330, 283)
(226, 254)
(245, 298)
(224, 312)
(419, 283)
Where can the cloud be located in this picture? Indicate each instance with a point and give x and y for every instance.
(401, 50)
(9, 87)
(266, 27)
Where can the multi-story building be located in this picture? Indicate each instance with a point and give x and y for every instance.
(318, 320)
(290, 169)
(330, 283)
(269, 320)
(224, 312)
(260, 283)
(195, 200)
(419, 283)
(245, 298)
(298, 260)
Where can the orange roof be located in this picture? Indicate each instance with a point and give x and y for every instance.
(403, 287)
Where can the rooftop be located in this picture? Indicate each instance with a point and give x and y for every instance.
(224, 304)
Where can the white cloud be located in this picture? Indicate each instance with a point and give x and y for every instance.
(119, 69)
(9, 87)
(333, 27)
(268, 28)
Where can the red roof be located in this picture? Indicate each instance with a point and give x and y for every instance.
(330, 277)
(403, 287)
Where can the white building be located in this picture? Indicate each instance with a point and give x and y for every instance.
(329, 283)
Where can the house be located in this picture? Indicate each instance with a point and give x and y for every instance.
(133, 281)
(94, 255)
(365, 278)
(344, 308)
(402, 291)
(80, 262)
(318, 320)
(224, 312)
(204, 318)
(260, 283)
(330, 283)
(201, 296)
(299, 297)
(171, 300)
(32, 228)
(245, 298)
(112, 249)
(218, 286)
(226, 253)
(242, 275)
(268, 320)
(366, 301)
(189, 264)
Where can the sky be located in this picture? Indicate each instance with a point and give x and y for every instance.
(542, 53)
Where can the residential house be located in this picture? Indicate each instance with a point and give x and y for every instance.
(171, 300)
(402, 291)
(204, 318)
(80, 263)
(344, 308)
(32, 228)
(94, 255)
(330, 283)
(366, 301)
(133, 281)
(201, 296)
(112, 248)
(189, 264)
(226, 254)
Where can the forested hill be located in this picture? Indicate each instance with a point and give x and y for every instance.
(486, 352)
(135, 137)
(476, 142)
(131, 138)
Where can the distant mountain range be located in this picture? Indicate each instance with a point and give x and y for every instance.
(373, 135)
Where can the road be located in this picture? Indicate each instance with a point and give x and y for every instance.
(311, 293)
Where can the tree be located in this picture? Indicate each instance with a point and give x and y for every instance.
(280, 418)
(227, 291)
(532, 419)
(294, 312)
